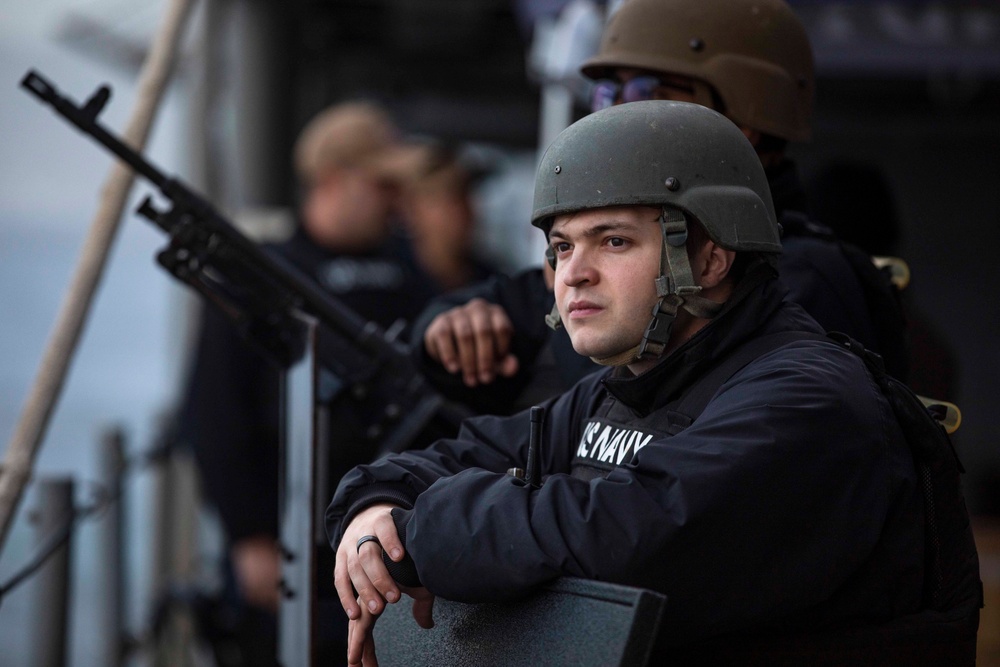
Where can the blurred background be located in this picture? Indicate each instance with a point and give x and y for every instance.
(907, 130)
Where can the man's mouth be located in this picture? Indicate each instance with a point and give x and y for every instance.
(582, 309)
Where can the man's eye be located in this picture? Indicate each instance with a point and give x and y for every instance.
(560, 247)
(616, 241)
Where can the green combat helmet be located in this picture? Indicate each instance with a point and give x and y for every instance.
(754, 54)
(690, 161)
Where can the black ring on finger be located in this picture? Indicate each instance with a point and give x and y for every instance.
(368, 538)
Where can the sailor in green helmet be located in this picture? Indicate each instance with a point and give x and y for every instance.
(729, 456)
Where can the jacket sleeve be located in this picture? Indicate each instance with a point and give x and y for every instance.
(489, 443)
(526, 301)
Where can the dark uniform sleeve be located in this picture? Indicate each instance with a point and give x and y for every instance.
(230, 419)
(491, 443)
(547, 363)
(783, 490)
(523, 297)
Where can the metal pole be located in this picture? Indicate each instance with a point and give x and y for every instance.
(161, 500)
(175, 505)
(52, 582)
(110, 546)
(296, 617)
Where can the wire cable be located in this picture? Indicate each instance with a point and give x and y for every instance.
(61, 536)
(52, 544)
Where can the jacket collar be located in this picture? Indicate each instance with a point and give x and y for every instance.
(747, 312)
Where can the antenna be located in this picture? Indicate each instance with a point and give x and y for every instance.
(533, 475)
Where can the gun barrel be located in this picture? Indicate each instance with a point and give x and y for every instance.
(85, 119)
(308, 296)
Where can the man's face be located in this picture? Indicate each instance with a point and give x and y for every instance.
(347, 210)
(607, 261)
(628, 84)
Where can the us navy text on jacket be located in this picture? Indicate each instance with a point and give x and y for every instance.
(610, 443)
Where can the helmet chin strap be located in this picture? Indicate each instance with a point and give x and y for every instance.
(676, 288)
(554, 319)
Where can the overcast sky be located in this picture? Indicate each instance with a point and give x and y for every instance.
(48, 171)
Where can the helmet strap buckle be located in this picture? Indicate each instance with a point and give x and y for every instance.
(675, 286)
(553, 319)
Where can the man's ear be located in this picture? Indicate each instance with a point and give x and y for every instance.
(716, 265)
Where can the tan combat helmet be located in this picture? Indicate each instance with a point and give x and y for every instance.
(754, 54)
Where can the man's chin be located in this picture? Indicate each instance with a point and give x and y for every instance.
(595, 351)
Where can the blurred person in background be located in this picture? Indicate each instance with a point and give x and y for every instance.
(751, 61)
(869, 220)
(350, 162)
(438, 213)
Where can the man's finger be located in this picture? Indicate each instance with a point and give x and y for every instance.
(369, 659)
(352, 660)
(481, 318)
(439, 342)
(345, 590)
(509, 366)
(388, 536)
(358, 632)
(423, 611)
(369, 597)
(464, 337)
(370, 556)
(503, 331)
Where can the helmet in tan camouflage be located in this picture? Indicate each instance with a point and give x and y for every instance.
(754, 54)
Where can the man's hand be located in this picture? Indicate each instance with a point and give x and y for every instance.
(362, 570)
(474, 340)
(360, 636)
(257, 566)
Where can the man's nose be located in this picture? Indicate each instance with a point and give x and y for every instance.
(578, 268)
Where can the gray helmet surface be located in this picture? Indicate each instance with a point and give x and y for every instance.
(659, 153)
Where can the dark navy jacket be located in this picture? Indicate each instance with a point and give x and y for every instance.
(790, 503)
(548, 364)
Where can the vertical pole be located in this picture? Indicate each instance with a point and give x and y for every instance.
(159, 568)
(52, 583)
(555, 112)
(296, 618)
(176, 499)
(110, 544)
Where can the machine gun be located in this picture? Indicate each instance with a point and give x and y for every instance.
(261, 293)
